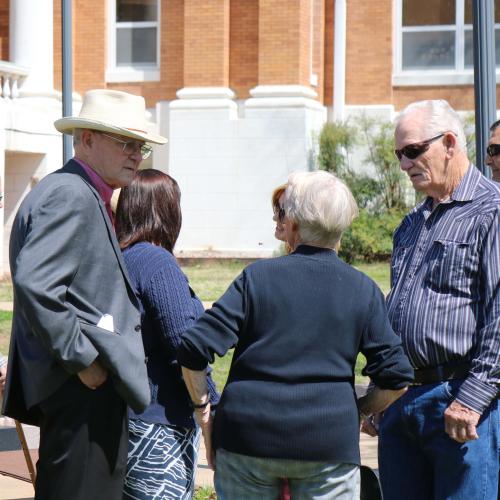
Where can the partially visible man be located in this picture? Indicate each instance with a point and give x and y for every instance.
(76, 357)
(440, 440)
(493, 151)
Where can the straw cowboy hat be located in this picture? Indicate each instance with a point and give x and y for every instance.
(111, 111)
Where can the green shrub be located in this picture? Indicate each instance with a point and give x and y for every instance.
(392, 182)
(335, 141)
(369, 238)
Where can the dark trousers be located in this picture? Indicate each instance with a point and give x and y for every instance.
(83, 444)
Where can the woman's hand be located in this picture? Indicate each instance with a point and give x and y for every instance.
(204, 419)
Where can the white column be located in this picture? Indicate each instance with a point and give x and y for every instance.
(31, 43)
(339, 48)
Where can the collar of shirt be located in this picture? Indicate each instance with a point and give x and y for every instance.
(465, 191)
(105, 191)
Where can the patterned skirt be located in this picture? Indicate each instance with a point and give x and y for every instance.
(161, 461)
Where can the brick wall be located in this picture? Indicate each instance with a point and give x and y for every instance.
(369, 52)
(460, 97)
(90, 44)
(244, 47)
(244, 43)
(328, 54)
(57, 41)
(206, 43)
(4, 30)
(318, 62)
(284, 42)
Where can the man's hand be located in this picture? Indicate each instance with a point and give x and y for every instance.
(94, 375)
(460, 422)
(369, 425)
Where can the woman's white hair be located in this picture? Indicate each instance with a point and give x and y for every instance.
(438, 116)
(321, 205)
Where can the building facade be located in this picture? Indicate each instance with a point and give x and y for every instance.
(240, 88)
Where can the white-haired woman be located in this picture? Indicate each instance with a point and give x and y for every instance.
(297, 323)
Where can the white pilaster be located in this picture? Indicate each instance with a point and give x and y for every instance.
(228, 163)
(3, 252)
(31, 44)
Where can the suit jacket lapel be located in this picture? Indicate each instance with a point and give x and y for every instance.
(72, 167)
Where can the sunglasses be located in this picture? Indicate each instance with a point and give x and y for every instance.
(413, 151)
(493, 150)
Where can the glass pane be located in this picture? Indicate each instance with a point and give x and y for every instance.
(429, 50)
(468, 49)
(136, 10)
(468, 11)
(497, 47)
(135, 46)
(428, 12)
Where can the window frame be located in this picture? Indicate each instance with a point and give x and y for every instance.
(131, 73)
(459, 75)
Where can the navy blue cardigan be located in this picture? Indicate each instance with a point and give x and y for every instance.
(168, 308)
(298, 323)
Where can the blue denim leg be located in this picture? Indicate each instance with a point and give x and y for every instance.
(418, 460)
(241, 477)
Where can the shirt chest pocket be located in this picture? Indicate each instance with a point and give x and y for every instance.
(452, 266)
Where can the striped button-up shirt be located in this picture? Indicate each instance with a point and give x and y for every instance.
(445, 286)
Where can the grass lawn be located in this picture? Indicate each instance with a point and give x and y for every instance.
(209, 279)
(6, 290)
(378, 272)
(5, 324)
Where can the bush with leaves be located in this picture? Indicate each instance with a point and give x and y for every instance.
(336, 141)
(382, 197)
(369, 238)
(392, 182)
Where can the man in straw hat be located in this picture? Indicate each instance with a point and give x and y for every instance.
(76, 356)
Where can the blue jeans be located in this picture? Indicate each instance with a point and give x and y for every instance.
(240, 477)
(419, 461)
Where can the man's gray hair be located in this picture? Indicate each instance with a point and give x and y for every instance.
(321, 205)
(438, 117)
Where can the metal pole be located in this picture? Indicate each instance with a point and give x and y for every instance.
(67, 81)
(484, 76)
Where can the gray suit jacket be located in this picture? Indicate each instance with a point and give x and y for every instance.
(67, 271)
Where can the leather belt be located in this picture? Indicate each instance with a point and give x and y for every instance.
(440, 373)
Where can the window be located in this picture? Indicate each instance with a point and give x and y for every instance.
(133, 40)
(434, 42)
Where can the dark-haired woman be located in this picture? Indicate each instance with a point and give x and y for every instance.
(164, 439)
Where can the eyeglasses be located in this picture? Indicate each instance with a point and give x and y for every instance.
(493, 150)
(131, 147)
(280, 213)
(413, 151)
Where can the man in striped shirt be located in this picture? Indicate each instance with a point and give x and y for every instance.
(440, 440)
